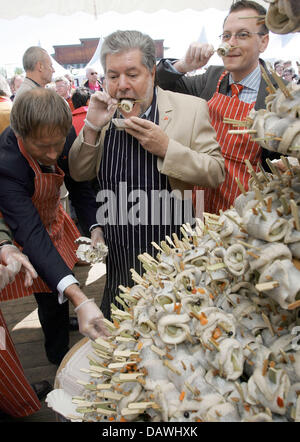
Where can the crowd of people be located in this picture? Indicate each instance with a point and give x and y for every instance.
(287, 71)
(175, 142)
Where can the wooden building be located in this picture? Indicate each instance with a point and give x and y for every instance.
(78, 55)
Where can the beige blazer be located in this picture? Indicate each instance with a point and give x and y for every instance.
(193, 156)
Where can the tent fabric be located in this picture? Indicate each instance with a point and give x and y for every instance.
(17, 8)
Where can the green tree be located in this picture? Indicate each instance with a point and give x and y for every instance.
(19, 71)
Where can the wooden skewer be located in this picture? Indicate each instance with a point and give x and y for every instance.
(267, 80)
(129, 377)
(253, 255)
(253, 174)
(156, 246)
(253, 16)
(262, 214)
(294, 209)
(269, 205)
(241, 123)
(265, 286)
(171, 367)
(251, 246)
(274, 168)
(242, 131)
(240, 185)
(141, 405)
(110, 395)
(294, 305)
(268, 322)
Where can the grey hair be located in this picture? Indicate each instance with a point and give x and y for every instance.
(89, 69)
(62, 78)
(39, 109)
(4, 87)
(121, 41)
(32, 56)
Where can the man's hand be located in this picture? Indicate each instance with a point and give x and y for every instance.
(90, 320)
(16, 261)
(90, 317)
(97, 236)
(195, 58)
(101, 109)
(149, 134)
(6, 276)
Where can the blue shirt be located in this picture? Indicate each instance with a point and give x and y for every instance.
(251, 85)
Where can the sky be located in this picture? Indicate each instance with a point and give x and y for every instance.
(177, 29)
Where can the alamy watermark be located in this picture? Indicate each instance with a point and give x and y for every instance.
(155, 207)
(2, 339)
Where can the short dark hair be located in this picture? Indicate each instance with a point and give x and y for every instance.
(80, 97)
(248, 4)
(39, 109)
(31, 56)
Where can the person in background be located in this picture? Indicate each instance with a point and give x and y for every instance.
(278, 67)
(70, 77)
(289, 75)
(38, 67)
(231, 90)
(80, 99)
(5, 103)
(92, 83)
(168, 145)
(39, 71)
(15, 84)
(32, 153)
(63, 88)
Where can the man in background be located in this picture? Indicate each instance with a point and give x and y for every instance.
(63, 88)
(231, 90)
(38, 67)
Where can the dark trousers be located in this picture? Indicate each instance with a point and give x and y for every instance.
(54, 319)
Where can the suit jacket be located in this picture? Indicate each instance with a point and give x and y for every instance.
(193, 155)
(205, 85)
(27, 85)
(16, 190)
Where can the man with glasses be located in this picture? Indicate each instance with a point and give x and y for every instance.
(231, 90)
(63, 88)
(92, 83)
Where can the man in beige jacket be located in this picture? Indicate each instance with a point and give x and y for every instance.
(168, 144)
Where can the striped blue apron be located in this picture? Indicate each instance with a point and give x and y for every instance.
(128, 174)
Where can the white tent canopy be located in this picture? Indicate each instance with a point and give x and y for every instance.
(37, 8)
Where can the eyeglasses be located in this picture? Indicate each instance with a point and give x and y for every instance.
(241, 35)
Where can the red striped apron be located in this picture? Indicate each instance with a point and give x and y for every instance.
(235, 150)
(17, 398)
(59, 225)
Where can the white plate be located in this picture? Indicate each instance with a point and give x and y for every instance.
(119, 123)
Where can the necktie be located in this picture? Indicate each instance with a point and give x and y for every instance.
(236, 89)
